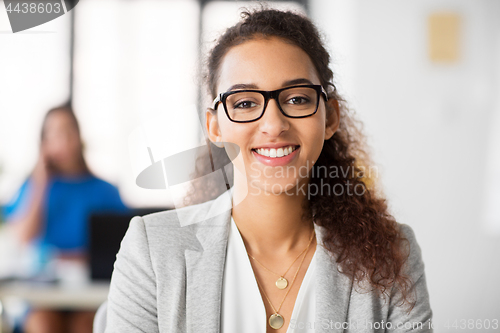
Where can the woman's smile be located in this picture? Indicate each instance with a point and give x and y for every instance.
(276, 156)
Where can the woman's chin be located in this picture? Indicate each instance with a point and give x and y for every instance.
(276, 188)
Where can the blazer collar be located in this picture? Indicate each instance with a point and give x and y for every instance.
(205, 263)
(333, 293)
(210, 221)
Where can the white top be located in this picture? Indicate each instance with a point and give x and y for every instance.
(243, 309)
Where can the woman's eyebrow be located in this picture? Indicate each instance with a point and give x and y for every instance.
(242, 86)
(297, 81)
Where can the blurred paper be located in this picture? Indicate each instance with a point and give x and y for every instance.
(444, 37)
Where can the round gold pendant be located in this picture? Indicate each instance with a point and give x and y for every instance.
(276, 321)
(281, 283)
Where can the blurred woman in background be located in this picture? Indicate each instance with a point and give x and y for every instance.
(52, 207)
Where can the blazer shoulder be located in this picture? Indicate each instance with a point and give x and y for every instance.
(414, 264)
(183, 228)
(159, 234)
(209, 212)
(170, 218)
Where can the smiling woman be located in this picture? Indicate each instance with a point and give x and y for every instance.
(277, 258)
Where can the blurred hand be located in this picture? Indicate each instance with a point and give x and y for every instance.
(41, 172)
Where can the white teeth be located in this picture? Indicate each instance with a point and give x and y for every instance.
(262, 151)
(280, 152)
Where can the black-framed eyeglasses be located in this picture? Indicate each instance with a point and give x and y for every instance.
(244, 106)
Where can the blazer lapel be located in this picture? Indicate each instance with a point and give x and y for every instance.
(205, 266)
(333, 293)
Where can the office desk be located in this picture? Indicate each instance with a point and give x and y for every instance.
(57, 297)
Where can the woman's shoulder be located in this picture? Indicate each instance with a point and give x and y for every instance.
(407, 231)
(84, 181)
(207, 212)
(172, 218)
(179, 226)
(97, 181)
(19, 200)
(412, 248)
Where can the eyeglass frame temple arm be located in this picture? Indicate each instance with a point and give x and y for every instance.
(324, 93)
(217, 100)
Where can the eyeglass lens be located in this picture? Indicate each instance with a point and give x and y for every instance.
(295, 102)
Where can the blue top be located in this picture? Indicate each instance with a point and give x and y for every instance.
(67, 207)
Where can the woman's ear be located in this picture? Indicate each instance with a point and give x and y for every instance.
(333, 118)
(212, 126)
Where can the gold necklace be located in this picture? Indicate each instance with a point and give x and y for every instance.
(282, 282)
(276, 320)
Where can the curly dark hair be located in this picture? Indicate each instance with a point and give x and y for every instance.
(363, 236)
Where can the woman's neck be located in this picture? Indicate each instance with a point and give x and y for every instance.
(70, 173)
(73, 169)
(271, 223)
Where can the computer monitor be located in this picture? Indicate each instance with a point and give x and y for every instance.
(106, 231)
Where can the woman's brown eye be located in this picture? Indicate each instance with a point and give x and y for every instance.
(298, 100)
(244, 105)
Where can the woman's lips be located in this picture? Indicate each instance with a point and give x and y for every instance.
(276, 161)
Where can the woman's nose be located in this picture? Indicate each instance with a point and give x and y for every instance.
(273, 122)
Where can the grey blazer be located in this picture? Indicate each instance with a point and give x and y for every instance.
(168, 278)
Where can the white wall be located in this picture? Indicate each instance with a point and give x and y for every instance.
(34, 77)
(135, 70)
(429, 126)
